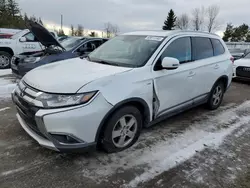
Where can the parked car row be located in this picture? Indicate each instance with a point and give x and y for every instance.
(54, 50)
(105, 98)
(22, 42)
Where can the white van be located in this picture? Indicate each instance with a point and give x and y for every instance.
(130, 82)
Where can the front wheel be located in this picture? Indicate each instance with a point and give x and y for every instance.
(122, 129)
(216, 96)
(5, 59)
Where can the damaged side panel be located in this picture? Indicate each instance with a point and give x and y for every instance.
(155, 103)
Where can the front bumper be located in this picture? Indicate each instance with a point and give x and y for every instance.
(241, 74)
(80, 122)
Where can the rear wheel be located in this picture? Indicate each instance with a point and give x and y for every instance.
(216, 96)
(5, 59)
(122, 129)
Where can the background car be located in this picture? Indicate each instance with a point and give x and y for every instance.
(242, 68)
(237, 53)
(55, 51)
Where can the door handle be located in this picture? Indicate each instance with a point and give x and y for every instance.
(191, 74)
(216, 66)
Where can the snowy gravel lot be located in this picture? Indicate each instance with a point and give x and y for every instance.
(198, 148)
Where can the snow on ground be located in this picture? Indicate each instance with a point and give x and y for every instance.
(3, 109)
(6, 87)
(168, 149)
(4, 72)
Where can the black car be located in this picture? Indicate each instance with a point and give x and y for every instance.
(54, 51)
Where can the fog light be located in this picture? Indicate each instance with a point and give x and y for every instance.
(66, 139)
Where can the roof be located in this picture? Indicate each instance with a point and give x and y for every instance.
(164, 33)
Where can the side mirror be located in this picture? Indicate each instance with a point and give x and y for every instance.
(170, 63)
(22, 39)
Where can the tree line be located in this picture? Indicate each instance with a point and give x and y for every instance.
(201, 19)
(11, 17)
(237, 34)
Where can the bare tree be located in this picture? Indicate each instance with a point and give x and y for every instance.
(115, 29)
(108, 29)
(80, 30)
(182, 22)
(111, 29)
(198, 18)
(212, 16)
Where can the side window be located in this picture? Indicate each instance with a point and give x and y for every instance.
(179, 49)
(218, 47)
(95, 44)
(30, 37)
(90, 46)
(202, 48)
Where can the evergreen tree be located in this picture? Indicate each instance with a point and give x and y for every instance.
(169, 23)
(228, 33)
(240, 33)
(26, 19)
(13, 8)
(248, 37)
(3, 13)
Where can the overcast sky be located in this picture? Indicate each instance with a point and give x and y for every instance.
(129, 14)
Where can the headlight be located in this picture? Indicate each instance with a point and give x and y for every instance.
(31, 59)
(57, 100)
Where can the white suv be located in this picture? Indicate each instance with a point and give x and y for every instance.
(132, 81)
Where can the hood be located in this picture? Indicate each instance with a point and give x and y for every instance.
(242, 62)
(43, 35)
(70, 75)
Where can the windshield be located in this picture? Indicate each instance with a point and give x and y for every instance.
(72, 42)
(247, 56)
(127, 50)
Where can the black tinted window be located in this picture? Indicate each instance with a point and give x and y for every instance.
(179, 49)
(202, 48)
(218, 47)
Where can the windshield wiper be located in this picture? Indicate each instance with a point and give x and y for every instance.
(105, 62)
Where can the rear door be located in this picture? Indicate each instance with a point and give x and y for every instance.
(203, 63)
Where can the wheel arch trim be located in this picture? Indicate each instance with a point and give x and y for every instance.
(141, 101)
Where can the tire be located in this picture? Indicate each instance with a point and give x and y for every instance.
(4, 56)
(114, 132)
(216, 97)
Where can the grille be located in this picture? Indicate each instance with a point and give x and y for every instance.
(243, 71)
(27, 111)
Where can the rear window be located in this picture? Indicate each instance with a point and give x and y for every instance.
(218, 47)
(202, 48)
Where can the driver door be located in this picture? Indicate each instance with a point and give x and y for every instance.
(31, 44)
(173, 88)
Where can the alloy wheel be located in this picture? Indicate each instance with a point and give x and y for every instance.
(217, 95)
(124, 131)
(4, 61)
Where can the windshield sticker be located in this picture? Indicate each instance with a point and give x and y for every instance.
(154, 38)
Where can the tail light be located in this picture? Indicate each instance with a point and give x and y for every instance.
(232, 59)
